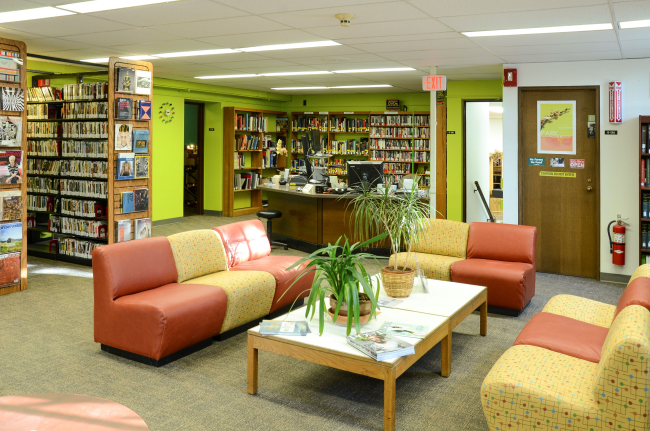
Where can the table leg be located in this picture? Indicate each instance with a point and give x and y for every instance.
(389, 401)
(252, 366)
(446, 355)
(484, 318)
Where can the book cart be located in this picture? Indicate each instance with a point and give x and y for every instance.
(14, 46)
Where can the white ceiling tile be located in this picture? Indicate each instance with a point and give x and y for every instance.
(397, 28)
(416, 45)
(636, 44)
(122, 37)
(554, 49)
(467, 61)
(637, 53)
(635, 33)
(19, 35)
(576, 56)
(533, 19)
(218, 59)
(632, 10)
(476, 7)
(493, 68)
(83, 54)
(277, 69)
(360, 65)
(399, 38)
(36, 46)
(161, 47)
(12, 5)
(263, 7)
(547, 39)
(221, 27)
(436, 53)
(255, 64)
(262, 38)
(66, 26)
(325, 51)
(171, 13)
(341, 60)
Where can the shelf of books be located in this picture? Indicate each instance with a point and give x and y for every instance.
(88, 162)
(13, 146)
(255, 138)
(644, 189)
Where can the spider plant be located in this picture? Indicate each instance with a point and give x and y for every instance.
(339, 272)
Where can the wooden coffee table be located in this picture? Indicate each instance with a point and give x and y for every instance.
(453, 301)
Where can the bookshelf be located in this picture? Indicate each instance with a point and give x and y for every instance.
(15, 46)
(249, 136)
(644, 189)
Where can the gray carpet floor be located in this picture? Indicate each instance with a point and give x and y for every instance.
(46, 345)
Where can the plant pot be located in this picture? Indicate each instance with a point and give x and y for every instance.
(397, 284)
(342, 319)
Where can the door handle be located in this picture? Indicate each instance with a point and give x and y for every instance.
(589, 188)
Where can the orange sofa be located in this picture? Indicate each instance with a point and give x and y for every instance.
(158, 299)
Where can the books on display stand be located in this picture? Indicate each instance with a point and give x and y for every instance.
(123, 231)
(125, 166)
(140, 141)
(142, 228)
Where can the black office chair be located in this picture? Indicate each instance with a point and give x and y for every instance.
(270, 215)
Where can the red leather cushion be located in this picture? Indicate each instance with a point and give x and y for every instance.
(636, 293)
(133, 266)
(505, 242)
(244, 241)
(276, 266)
(564, 335)
(510, 284)
(162, 321)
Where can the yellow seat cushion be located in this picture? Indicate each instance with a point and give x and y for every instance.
(642, 271)
(444, 238)
(582, 309)
(250, 294)
(434, 266)
(197, 253)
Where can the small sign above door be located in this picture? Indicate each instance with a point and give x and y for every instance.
(557, 174)
(611, 132)
(536, 161)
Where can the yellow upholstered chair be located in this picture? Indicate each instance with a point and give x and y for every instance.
(441, 244)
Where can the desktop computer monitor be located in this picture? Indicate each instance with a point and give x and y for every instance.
(365, 173)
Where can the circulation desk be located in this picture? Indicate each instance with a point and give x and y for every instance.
(309, 220)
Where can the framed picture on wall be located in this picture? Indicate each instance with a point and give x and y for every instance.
(556, 126)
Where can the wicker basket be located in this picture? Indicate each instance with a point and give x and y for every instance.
(397, 284)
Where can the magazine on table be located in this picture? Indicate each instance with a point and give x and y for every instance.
(404, 329)
(380, 346)
(276, 327)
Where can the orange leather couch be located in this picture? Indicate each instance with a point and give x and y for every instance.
(502, 258)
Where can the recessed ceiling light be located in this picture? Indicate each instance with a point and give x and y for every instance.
(96, 60)
(300, 88)
(540, 30)
(138, 57)
(313, 72)
(290, 46)
(390, 69)
(362, 86)
(247, 75)
(29, 14)
(635, 24)
(197, 53)
(101, 5)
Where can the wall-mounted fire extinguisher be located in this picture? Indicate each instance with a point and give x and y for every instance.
(617, 246)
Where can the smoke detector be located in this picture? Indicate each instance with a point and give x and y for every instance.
(345, 18)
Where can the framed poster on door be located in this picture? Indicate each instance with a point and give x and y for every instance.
(556, 126)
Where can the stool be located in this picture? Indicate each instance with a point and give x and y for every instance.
(270, 215)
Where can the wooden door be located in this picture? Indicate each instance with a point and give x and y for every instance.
(565, 208)
(441, 162)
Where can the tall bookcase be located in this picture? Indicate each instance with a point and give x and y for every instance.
(20, 48)
(644, 189)
(258, 128)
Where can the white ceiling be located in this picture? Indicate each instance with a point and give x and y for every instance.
(385, 34)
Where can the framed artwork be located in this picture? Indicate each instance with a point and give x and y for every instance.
(556, 126)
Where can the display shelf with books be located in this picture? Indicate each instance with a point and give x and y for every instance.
(347, 140)
(644, 189)
(13, 184)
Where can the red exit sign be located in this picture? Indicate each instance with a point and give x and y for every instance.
(434, 83)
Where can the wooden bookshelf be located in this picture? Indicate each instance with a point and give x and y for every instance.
(644, 189)
(21, 48)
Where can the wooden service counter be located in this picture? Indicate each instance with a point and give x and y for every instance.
(309, 220)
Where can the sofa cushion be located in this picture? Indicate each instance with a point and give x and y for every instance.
(133, 266)
(249, 293)
(504, 242)
(583, 309)
(444, 238)
(434, 266)
(510, 285)
(564, 335)
(244, 241)
(197, 253)
(637, 292)
(276, 266)
(158, 322)
(642, 271)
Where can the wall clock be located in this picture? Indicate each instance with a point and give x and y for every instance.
(166, 112)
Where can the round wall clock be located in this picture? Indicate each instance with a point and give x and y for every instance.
(166, 112)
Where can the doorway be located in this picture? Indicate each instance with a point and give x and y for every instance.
(483, 160)
(559, 185)
(193, 147)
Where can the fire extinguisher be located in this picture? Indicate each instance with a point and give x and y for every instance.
(617, 247)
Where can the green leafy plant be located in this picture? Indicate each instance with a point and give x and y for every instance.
(339, 271)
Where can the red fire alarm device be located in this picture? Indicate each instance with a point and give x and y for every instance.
(509, 77)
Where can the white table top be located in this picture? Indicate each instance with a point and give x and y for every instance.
(333, 337)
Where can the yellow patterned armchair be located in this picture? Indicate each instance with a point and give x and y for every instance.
(441, 244)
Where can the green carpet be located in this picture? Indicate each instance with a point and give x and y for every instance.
(46, 345)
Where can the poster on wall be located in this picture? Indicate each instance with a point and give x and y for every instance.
(556, 132)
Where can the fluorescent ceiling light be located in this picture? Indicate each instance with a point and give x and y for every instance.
(29, 14)
(390, 69)
(101, 5)
(248, 75)
(313, 72)
(197, 53)
(300, 88)
(540, 30)
(496, 109)
(362, 86)
(290, 46)
(635, 24)
(138, 57)
(96, 60)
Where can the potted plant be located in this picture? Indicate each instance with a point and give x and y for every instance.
(403, 216)
(341, 278)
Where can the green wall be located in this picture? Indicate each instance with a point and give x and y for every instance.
(457, 91)
(356, 102)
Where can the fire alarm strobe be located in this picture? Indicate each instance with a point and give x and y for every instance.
(509, 77)
(345, 18)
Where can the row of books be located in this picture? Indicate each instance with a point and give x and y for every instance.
(37, 112)
(399, 120)
(247, 180)
(134, 201)
(43, 167)
(11, 205)
(83, 110)
(400, 156)
(43, 185)
(348, 125)
(269, 158)
(10, 63)
(397, 144)
(77, 247)
(43, 148)
(397, 168)
(84, 188)
(84, 148)
(97, 229)
(645, 205)
(246, 142)
(11, 237)
(645, 236)
(124, 109)
(129, 80)
(44, 94)
(645, 172)
(42, 203)
(350, 146)
(90, 91)
(141, 229)
(645, 139)
(86, 129)
(399, 132)
(82, 208)
(84, 168)
(304, 124)
(424, 182)
(132, 166)
(251, 123)
(10, 274)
